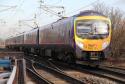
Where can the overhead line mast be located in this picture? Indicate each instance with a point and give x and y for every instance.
(48, 8)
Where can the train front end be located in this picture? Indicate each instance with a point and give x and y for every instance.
(92, 37)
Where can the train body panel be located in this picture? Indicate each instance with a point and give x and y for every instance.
(19, 40)
(10, 42)
(57, 37)
(30, 38)
(15, 42)
(57, 33)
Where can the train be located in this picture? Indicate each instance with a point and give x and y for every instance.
(81, 38)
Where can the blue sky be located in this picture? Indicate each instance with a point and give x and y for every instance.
(26, 9)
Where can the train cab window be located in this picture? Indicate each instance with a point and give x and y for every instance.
(92, 29)
(83, 27)
(100, 27)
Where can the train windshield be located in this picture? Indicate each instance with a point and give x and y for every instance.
(92, 28)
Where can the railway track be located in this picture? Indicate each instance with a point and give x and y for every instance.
(49, 75)
(38, 78)
(35, 75)
(60, 76)
(80, 74)
(53, 75)
(105, 72)
(116, 68)
(21, 72)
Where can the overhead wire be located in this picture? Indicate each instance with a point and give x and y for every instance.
(18, 7)
(1, 5)
(45, 8)
(83, 7)
(50, 11)
(8, 8)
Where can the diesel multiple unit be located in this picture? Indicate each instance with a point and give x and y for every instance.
(82, 37)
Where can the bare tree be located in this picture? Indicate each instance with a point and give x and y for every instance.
(115, 15)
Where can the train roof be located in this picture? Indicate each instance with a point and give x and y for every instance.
(84, 13)
(14, 36)
(89, 12)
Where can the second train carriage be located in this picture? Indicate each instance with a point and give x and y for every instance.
(82, 37)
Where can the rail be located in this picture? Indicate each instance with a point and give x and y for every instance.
(39, 79)
(62, 75)
(111, 74)
(21, 74)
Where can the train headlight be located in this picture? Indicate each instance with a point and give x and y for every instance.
(104, 45)
(80, 45)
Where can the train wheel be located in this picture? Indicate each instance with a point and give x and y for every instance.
(42, 52)
(54, 55)
(70, 58)
(61, 56)
(25, 51)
